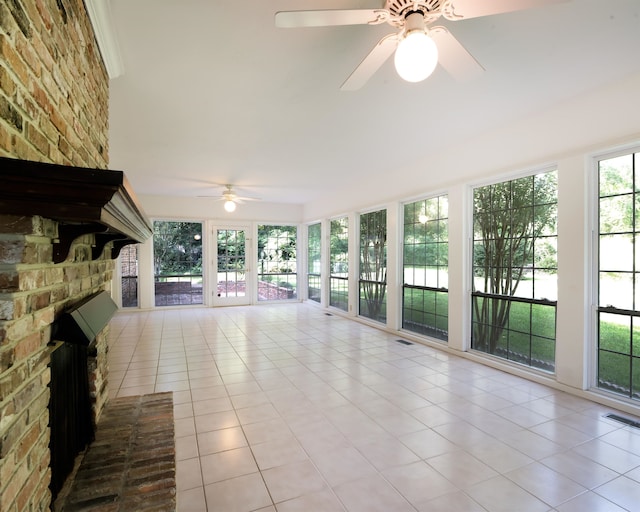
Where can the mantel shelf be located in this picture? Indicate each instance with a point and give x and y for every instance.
(82, 200)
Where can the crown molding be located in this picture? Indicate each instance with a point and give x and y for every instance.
(99, 13)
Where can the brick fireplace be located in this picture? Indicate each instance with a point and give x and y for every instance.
(53, 252)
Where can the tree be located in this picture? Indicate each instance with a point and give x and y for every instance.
(339, 244)
(508, 219)
(277, 248)
(314, 248)
(425, 229)
(373, 262)
(617, 194)
(231, 249)
(177, 247)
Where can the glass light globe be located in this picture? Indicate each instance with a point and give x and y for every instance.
(416, 56)
(230, 206)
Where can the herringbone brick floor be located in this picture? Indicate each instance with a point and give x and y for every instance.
(131, 464)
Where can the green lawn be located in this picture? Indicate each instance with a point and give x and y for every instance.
(426, 312)
(619, 355)
(528, 336)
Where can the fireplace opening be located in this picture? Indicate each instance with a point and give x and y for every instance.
(71, 416)
(70, 421)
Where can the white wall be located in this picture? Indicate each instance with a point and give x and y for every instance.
(589, 122)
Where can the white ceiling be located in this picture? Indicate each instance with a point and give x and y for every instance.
(213, 93)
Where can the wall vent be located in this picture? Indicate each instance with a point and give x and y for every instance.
(622, 419)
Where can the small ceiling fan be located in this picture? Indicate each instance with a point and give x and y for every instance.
(418, 46)
(231, 199)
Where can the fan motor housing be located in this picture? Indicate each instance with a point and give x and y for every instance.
(431, 9)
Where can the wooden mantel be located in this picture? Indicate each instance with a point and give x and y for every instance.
(82, 200)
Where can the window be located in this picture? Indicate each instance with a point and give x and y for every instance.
(425, 298)
(373, 265)
(129, 275)
(277, 278)
(619, 275)
(177, 261)
(515, 270)
(314, 261)
(339, 262)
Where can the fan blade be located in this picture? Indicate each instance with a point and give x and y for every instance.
(327, 18)
(453, 57)
(464, 9)
(237, 199)
(371, 63)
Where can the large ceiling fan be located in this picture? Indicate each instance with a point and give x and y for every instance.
(418, 46)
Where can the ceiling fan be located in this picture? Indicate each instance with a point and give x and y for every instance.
(418, 46)
(231, 199)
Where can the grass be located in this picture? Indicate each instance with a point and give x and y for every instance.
(619, 355)
(426, 312)
(528, 336)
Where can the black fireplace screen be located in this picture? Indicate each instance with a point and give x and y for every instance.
(70, 420)
(70, 406)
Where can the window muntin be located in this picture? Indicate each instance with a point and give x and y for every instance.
(314, 262)
(339, 264)
(277, 268)
(373, 265)
(618, 312)
(177, 259)
(515, 270)
(425, 300)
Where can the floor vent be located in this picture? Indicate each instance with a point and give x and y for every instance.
(329, 314)
(624, 420)
(404, 342)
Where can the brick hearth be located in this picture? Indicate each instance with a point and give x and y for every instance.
(131, 464)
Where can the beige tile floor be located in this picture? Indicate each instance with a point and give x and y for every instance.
(284, 408)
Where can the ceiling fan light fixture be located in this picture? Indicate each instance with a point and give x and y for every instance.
(230, 206)
(416, 56)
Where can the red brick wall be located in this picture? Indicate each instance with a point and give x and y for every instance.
(53, 108)
(53, 85)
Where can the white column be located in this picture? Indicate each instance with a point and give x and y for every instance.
(325, 260)
(116, 282)
(146, 290)
(574, 264)
(354, 262)
(459, 267)
(394, 273)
